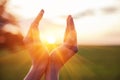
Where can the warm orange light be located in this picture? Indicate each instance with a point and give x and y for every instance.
(50, 39)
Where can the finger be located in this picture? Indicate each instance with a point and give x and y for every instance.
(70, 23)
(34, 26)
(37, 19)
(33, 33)
(70, 37)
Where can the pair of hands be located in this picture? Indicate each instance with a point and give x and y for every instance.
(42, 62)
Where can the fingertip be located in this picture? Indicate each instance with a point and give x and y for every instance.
(42, 11)
(70, 16)
(69, 19)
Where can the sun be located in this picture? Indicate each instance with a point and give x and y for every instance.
(49, 39)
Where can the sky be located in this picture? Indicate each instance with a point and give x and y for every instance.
(97, 22)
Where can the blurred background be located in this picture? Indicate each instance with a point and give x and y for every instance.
(10, 35)
(97, 23)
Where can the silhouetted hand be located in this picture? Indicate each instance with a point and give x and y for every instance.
(38, 52)
(63, 53)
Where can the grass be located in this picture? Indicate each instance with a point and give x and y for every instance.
(90, 63)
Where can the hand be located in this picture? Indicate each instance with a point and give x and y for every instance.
(41, 61)
(64, 52)
(38, 52)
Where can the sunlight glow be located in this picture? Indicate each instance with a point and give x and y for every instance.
(48, 39)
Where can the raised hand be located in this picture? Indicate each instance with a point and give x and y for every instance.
(38, 52)
(41, 60)
(63, 53)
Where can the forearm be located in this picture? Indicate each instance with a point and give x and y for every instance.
(52, 75)
(35, 73)
(52, 72)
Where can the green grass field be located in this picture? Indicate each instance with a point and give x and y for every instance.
(90, 63)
